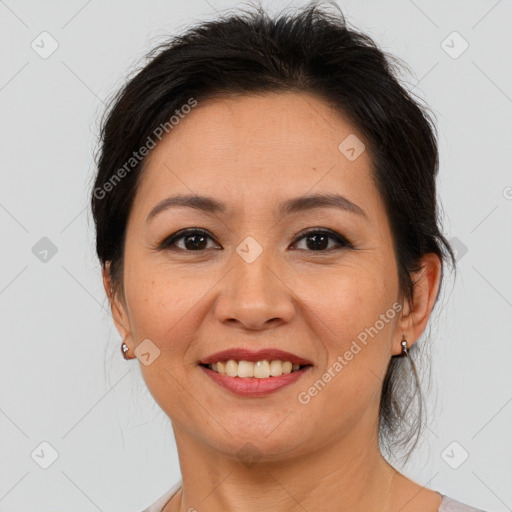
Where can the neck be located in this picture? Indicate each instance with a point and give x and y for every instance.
(348, 475)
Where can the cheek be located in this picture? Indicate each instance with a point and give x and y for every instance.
(164, 307)
(354, 316)
(167, 309)
(348, 300)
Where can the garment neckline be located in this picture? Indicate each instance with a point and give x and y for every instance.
(176, 488)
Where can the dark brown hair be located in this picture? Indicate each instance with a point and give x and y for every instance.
(312, 50)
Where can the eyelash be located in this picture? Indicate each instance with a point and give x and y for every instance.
(169, 242)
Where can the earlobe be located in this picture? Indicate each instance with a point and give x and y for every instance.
(415, 316)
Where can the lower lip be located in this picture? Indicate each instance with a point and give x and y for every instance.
(251, 386)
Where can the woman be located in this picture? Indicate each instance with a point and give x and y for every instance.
(266, 217)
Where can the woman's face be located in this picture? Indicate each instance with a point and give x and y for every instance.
(256, 282)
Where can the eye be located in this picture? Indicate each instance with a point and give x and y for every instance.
(317, 240)
(194, 239)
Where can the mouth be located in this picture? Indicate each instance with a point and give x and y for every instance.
(248, 373)
(263, 369)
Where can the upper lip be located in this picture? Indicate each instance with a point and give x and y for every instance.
(243, 354)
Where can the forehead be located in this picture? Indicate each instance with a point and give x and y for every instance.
(256, 147)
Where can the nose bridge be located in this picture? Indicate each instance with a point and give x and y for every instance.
(253, 295)
(252, 268)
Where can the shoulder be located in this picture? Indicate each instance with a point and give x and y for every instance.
(450, 505)
(160, 503)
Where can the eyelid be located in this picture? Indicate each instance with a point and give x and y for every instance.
(340, 239)
(169, 242)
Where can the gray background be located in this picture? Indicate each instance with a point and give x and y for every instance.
(62, 378)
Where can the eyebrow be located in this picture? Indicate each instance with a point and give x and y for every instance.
(294, 205)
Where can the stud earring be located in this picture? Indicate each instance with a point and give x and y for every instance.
(124, 351)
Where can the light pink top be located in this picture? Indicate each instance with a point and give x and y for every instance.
(447, 505)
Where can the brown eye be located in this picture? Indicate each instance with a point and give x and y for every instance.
(196, 240)
(193, 240)
(318, 240)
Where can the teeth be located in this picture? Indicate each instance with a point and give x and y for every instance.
(260, 369)
(231, 368)
(276, 368)
(245, 369)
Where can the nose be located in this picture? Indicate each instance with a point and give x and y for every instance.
(254, 296)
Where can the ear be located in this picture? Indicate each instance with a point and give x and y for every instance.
(118, 309)
(415, 316)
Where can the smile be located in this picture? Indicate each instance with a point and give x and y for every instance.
(260, 369)
(249, 384)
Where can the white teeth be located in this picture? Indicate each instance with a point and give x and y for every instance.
(245, 369)
(276, 368)
(231, 368)
(260, 369)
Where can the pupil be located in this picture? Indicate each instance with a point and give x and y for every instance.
(321, 241)
(195, 245)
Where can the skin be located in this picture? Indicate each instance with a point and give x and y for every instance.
(252, 153)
